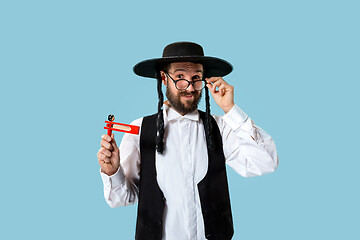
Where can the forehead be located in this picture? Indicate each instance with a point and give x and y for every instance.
(186, 66)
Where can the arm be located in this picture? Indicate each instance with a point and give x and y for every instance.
(248, 149)
(121, 187)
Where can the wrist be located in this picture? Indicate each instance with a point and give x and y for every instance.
(227, 108)
(109, 173)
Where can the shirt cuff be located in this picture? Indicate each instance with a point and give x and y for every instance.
(114, 180)
(235, 117)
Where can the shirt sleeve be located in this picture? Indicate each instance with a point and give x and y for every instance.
(121, 188)
(248, 149)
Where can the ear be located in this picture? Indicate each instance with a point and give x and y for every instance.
(163, 77)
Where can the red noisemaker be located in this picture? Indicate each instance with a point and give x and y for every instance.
(120, 127)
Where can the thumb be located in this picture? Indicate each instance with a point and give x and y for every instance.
(210, 86)
(113, 142)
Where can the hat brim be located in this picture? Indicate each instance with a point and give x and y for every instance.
(214, 67)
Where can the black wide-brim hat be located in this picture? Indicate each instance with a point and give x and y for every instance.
(184, 52)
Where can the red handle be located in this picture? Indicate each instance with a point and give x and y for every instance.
(109, 131)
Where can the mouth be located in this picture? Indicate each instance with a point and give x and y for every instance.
(188, 96)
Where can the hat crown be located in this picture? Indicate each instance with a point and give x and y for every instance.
(183, 49)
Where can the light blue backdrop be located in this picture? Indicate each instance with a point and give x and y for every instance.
(65, 65)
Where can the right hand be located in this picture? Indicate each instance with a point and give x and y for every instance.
(108, 155)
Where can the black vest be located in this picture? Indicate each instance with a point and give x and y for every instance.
(213, 189)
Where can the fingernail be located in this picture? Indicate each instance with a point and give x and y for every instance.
(108, 138)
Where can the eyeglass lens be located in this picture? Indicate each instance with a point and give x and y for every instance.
(183, 84)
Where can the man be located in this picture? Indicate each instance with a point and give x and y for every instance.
(175, 169)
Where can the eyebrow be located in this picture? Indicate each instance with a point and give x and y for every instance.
(183, 70)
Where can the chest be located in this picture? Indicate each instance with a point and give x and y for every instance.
(185, 160)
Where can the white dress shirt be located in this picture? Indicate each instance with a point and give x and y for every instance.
(248, 149)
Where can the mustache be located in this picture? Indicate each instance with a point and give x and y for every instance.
(194, 93)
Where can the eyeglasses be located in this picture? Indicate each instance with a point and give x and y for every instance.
(183, 84)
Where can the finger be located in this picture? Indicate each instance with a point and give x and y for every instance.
(210, 87)
(104, 165)
(106, 137)
(222, 90)
(106, 145)
(103, 158)
(113, 143)
(212, 79)
(105, 152)
(114, 148)
(219, 81)
(216, 85)
(112, 138)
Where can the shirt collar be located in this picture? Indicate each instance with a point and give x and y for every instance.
(171, 114)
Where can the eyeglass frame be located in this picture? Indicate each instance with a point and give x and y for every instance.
(192, 83)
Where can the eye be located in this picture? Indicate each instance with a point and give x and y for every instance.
(180, 76)
(197, 77)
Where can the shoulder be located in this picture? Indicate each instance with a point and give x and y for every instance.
(131, 141)
(137, 122)
(129, 136)
(220, 122)
(217, 118)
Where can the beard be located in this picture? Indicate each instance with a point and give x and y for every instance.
(175, 101)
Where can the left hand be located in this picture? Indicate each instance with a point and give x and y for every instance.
(222, 92)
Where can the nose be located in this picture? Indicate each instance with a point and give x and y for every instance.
(191, 87)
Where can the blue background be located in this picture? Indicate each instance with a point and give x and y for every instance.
(65, 65)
